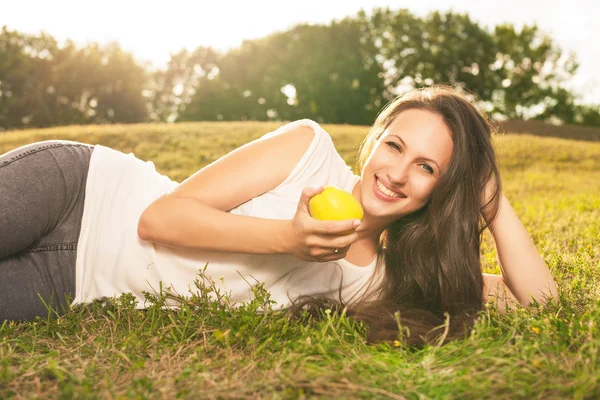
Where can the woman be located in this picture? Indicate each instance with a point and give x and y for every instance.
(91, 223)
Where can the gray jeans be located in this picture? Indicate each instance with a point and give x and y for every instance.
(42, 192)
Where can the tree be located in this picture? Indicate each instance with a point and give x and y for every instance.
(443, 48)
(342, 72)
(24, 62)
(514, 74)
(172, 89)
(312, 71)
(42, 84)
(531, 71)
(588, 115)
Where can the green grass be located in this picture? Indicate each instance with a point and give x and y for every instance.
(210, 350)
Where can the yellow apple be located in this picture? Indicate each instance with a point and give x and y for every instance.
(335, 204)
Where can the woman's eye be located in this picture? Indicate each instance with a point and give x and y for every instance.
(394, 145)
(427, 168)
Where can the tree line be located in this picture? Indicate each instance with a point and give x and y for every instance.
(341, 72)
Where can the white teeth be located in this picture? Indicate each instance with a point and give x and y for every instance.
(386, 191)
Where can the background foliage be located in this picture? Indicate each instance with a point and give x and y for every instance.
(341, 72)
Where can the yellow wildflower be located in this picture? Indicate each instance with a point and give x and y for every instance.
(396, 343)
(535, 330)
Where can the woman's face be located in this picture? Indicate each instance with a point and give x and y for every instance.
(408, 160)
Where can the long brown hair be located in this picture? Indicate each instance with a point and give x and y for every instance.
(432, 284)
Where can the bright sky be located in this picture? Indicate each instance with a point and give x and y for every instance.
(151, 29)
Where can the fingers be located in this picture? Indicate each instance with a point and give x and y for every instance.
(341, 244)
(344, 227)
(330, 255)
(323, 246)
(341, 250)
(309, 192)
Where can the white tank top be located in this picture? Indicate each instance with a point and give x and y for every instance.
(112, 259)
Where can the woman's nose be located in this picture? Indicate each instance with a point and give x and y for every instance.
(399, 173)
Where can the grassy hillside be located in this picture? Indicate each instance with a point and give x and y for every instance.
(206, 350)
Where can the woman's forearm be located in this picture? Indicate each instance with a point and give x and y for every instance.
(523, 269)
(189, 224)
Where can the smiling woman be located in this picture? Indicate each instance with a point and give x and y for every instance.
(93, 223)
(403, 166)
(436, 188)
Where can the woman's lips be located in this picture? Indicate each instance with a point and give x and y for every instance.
(382, 196)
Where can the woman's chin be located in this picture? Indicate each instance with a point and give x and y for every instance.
(378, 213)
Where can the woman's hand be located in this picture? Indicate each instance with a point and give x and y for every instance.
(315, 240)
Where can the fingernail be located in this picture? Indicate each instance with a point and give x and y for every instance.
(356, 223)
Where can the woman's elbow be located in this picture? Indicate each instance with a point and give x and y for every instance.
(144, 228)
(545, 294)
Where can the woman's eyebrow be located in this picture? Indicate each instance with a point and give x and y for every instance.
(425, 158)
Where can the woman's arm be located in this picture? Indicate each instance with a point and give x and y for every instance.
(523, 269)
(194, 215)
(187, 223)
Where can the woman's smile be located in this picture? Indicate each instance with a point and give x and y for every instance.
(384, 193)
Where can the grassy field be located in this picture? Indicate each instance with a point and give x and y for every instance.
(208, 350)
